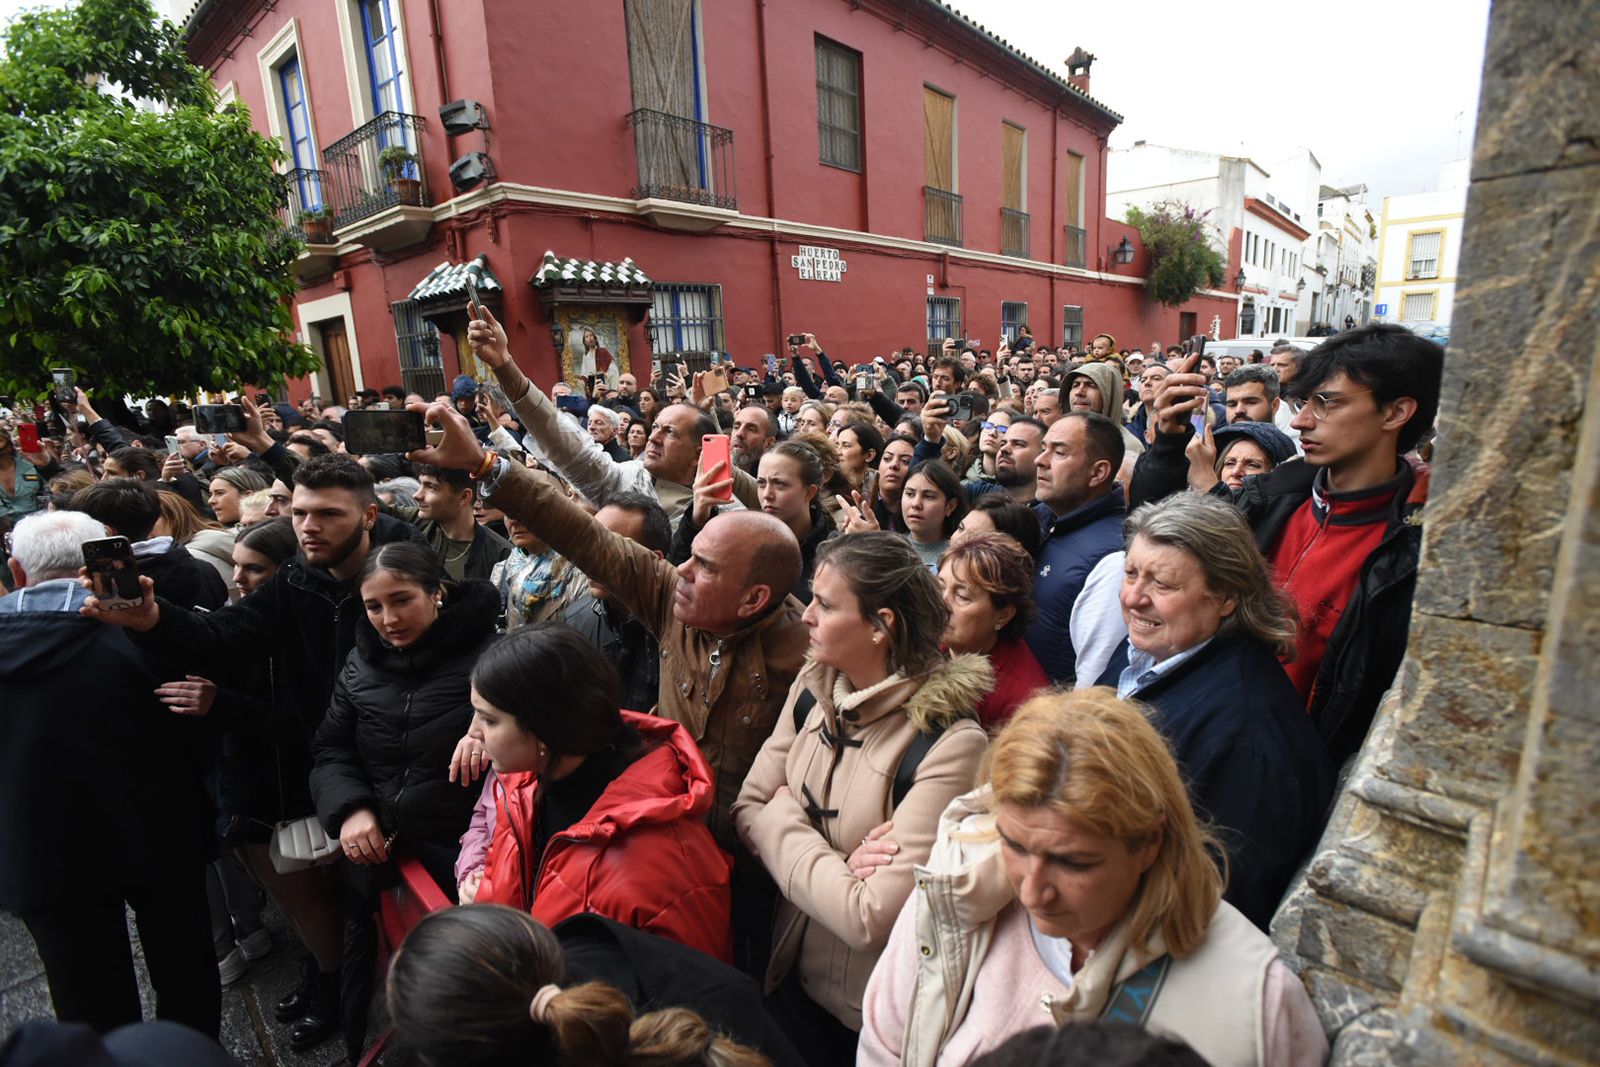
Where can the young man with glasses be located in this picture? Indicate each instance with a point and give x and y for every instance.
(1342, 528)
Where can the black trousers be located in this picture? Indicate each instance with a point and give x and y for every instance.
(820, 1038)
(89, 963)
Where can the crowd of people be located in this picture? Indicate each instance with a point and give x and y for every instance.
(1030, 665)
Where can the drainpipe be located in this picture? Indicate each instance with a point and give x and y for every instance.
(766, 167)
(438, 51)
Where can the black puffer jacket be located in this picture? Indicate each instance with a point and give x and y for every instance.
(394, 721)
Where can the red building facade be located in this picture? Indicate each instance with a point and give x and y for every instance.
(877, 174)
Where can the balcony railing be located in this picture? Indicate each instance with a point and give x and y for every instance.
(681, 159)
(306, 197)
(941, 216)
(1077, 246)
(1013, 232)
(360, 184)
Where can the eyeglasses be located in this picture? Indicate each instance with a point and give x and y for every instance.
(996, 426)
(1319, 404)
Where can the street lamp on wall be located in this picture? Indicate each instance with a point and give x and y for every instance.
(1300, 286)
(1238, 280)
(1124, 251)
(558, 334)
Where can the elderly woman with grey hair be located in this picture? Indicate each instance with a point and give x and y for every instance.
(1206, 630)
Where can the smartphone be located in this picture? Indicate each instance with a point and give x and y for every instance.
(1198, 421)
(172, 445)
(113, 573)
(772, 365)
(474, 308)
(961, 342)
(796, 340)
(369, 433)
(753, 393)
(715, 381)
(960, 407)
(1197, 343)
(863, 382)
(263, 399)
(27, 437)
(218, 418)
(572, 403)
(63, 384)
(718, 448)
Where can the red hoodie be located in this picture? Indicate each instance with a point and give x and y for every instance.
(642, 855)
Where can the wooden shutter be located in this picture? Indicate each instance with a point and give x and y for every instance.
(938, 120)
(1011, 161)
(661, 55)
(1074, 189)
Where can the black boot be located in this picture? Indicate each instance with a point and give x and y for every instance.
(321, 1020)
(297, 1001)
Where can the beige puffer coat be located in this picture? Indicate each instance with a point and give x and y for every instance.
(840, 768)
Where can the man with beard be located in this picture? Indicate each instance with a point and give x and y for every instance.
(302, 621)
(1251, 393)
(753, 434)
(1015, 465)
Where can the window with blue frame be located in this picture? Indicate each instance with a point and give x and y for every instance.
(686, 318)
(383, 69)
(298, 119)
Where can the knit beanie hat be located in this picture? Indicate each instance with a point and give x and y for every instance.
(463, 388)
(1278, 445)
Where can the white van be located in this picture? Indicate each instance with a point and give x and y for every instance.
(1241, 347)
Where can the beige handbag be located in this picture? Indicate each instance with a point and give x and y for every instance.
(301, 843)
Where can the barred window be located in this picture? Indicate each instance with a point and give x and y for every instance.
(839, 105)
(1072, 325)
(944, 320)
(1424, 258)
(1012, 315)
(686, 318)
(417, 340)
(1417, 307)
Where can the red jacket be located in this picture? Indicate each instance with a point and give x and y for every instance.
(641, 856)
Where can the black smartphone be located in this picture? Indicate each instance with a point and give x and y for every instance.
(263, 399)
(796, 340)
(960, 407)
(113, 572)
(961, 343)
(571, 402)
(752, 392)
(218, 418)
(863, 382)
(1197, 343)
(64, 384)
(370, 433)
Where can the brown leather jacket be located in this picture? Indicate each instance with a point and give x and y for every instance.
(830, 924)
(725, 690)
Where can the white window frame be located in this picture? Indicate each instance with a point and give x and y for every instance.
(284, 45)
(355, 60)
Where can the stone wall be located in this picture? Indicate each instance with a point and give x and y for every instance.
(1452, 911)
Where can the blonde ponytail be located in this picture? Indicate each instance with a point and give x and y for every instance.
(588, 1025)
(677, 1037)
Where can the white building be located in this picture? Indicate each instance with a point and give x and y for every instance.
(1260, 219)
(1419, 244)
(1342, 257)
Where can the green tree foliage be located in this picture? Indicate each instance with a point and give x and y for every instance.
(1183, 259)
(140, 246)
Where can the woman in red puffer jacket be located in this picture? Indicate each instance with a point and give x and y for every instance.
(594, 809)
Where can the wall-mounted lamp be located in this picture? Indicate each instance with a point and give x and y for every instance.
(1300, 286)
(1124, 251)
(1238, 280)
(558, 334)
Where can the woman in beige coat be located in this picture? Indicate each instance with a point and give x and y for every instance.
(822, 808)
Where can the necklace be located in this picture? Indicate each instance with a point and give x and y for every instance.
(451, 559)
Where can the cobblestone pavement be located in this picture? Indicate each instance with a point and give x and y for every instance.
(248, 1029)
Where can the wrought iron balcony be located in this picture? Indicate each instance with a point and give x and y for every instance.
(1077, 246)
(302, 211)
(941, 216)
(1013, 232)
(681, 159)
(376, 167)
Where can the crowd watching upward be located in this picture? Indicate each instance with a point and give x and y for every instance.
(730, 706)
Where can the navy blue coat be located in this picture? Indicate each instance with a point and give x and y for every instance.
(1073, 544)
(1252, 758)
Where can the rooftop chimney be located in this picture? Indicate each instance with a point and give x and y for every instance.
(1078, 64)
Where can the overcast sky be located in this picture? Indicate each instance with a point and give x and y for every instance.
(1373, 87)
(1381, 91)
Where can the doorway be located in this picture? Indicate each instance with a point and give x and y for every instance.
(1188, 325)
(337, 372)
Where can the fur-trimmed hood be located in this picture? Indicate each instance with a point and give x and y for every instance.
(933, 701)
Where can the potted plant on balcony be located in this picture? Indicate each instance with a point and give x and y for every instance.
(398, 161)
(318, 225)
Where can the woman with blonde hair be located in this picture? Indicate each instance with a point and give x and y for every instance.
(1078, 879)
(814, 416)
(1206, 630)
(485, 984)
(206, 540)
